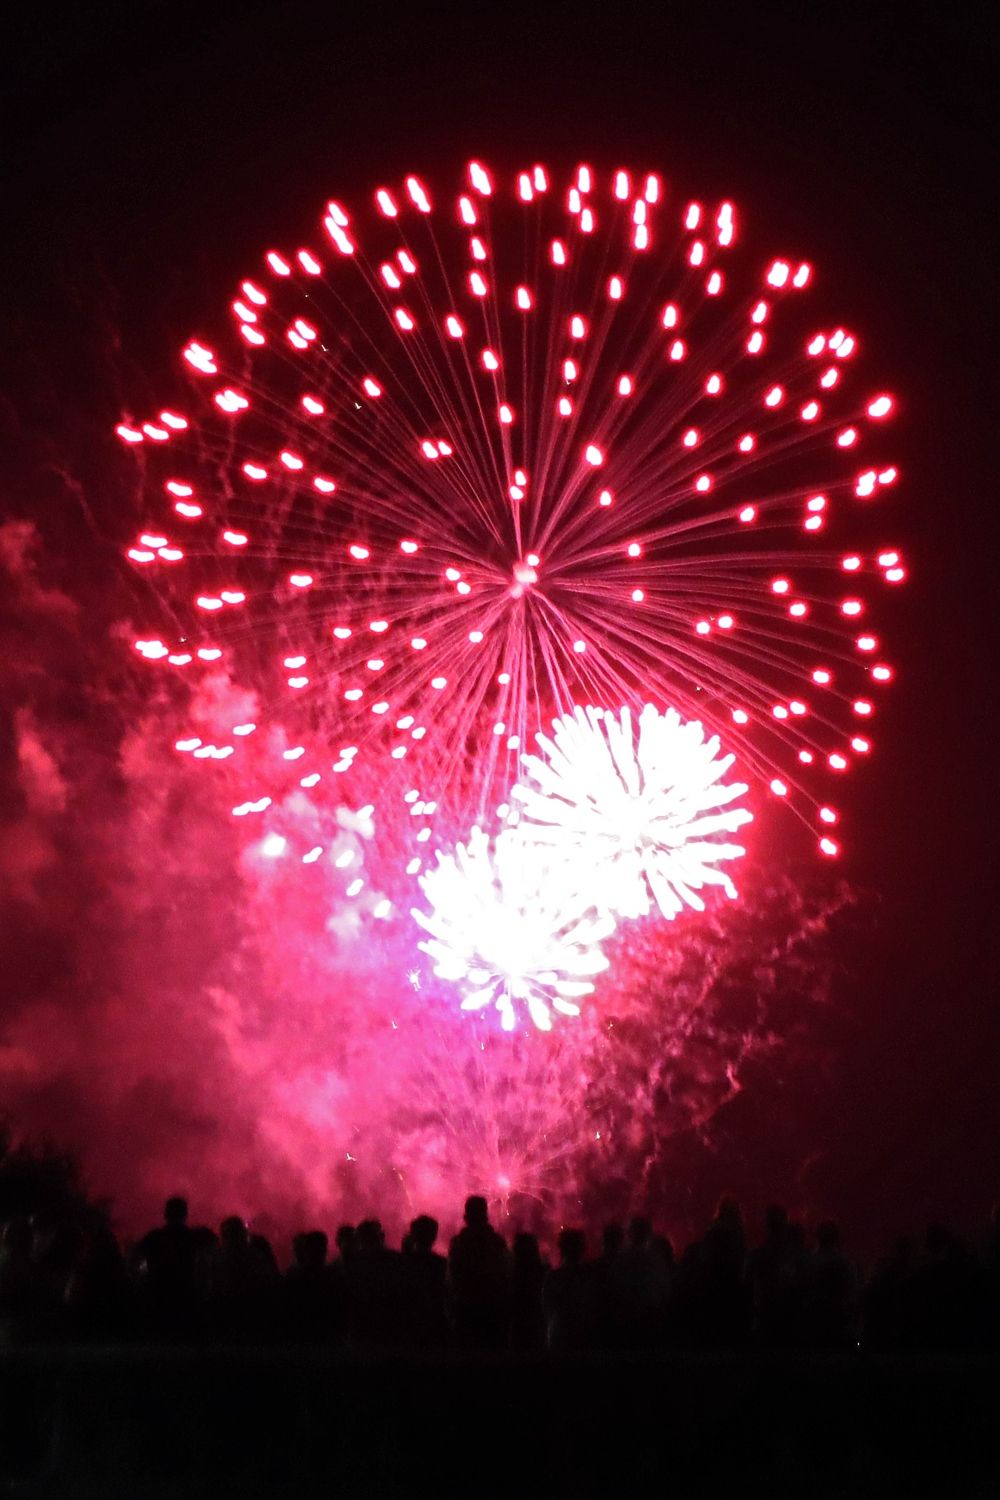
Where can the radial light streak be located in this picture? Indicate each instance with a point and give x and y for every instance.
(637, 807)
(511, 929)
(541, 443)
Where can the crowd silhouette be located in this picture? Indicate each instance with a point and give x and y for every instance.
(183, 1283)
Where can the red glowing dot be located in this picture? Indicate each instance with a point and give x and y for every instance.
(880, 407)
(829, 846)
(779, 788)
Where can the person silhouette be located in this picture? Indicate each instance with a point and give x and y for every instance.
(166, 1262)
(424, 1278)
(479, 1282)
(527, 1312)
(571, 1297)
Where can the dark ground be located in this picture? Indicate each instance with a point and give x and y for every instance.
(99, 1423)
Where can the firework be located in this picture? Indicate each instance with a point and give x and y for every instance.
(638, 807)
(478, 457)
(511, 929)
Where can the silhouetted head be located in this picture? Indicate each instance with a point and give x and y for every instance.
(477, 1212)
(572, 1247)
(729, 1213)
(640, 1232)
(175, 1212)
(775, 1222)
(828, 1235)
(369, 1235)
(309, 1249)
(234, 1234)
(345, 1240)
(612, 1239)
(423, 1233)
(663, 1248)
(525, 1250)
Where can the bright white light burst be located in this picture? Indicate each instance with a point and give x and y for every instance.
(512, 928)
(639, 808)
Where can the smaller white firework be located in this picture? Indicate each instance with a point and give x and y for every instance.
(512, 928)
(640, 807)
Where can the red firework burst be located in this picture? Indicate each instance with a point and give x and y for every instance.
(485, 455)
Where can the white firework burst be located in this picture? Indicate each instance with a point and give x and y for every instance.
(640, 808)
(512, 928)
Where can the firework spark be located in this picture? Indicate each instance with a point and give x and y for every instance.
(638, 806)
(510, 927)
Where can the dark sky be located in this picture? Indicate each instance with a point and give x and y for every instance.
(151, 151)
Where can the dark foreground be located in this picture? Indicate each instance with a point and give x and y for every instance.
(140, 1422)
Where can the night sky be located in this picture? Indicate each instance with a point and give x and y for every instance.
(151, 153)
